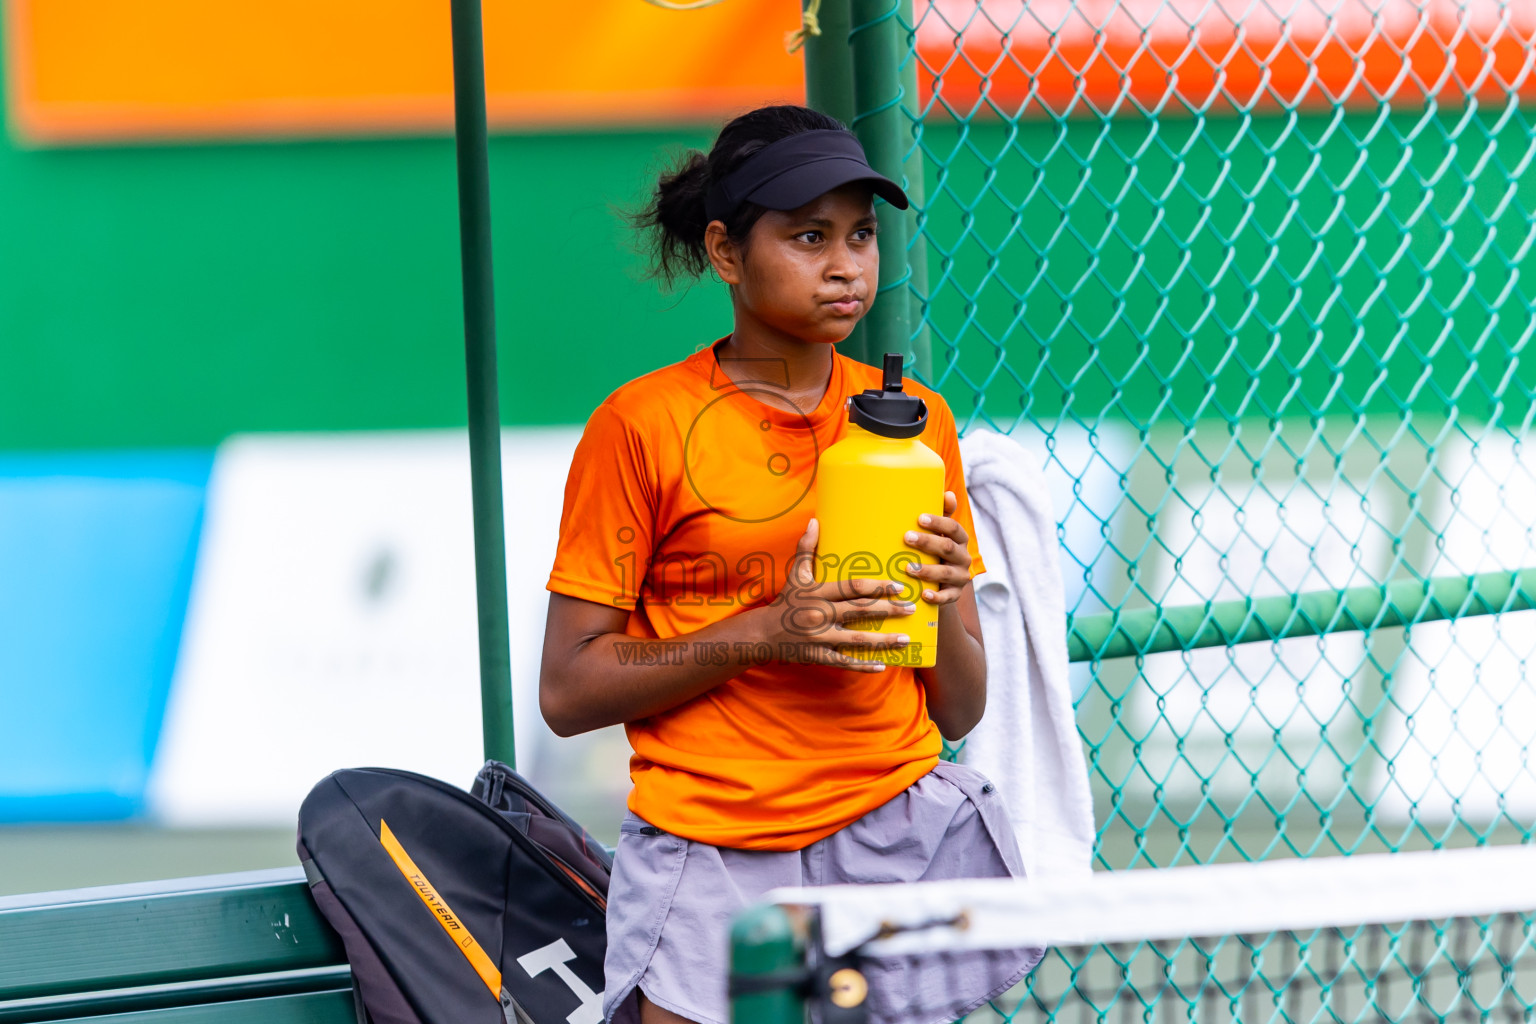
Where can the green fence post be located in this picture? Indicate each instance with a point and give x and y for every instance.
(764, 947)
(829, 89)
(875, 39)
(829, 63)
(855, 71)
(480, 366)
(917, 191)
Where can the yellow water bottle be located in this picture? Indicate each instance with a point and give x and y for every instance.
(870, 488)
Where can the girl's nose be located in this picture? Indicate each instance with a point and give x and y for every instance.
(842, 265)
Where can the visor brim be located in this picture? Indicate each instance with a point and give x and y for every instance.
(798, 186)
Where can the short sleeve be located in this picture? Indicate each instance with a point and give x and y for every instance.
(947, 440)
(607, 522)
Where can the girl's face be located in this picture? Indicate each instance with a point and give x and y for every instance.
(809, 273)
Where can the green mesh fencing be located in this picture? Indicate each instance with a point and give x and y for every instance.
(1271, 343)
(1463, 968)
(1264, 349)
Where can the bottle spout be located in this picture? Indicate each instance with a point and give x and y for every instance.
(889, 411)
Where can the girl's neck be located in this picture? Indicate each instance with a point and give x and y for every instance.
(794, 370)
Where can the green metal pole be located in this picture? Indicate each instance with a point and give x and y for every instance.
(480, 365)
(764, 949)
(876, 39)
(1316, 613)
(829, 89)
(912, 166)
(829, 63)
(861, 76)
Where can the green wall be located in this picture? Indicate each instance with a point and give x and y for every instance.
(168, 296)
(1139, 269)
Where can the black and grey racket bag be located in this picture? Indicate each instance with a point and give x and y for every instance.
(484, 907)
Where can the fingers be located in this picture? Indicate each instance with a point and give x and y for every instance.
(848, 661)
(947, 541)
(806, 545)
(858, 650)
(852, 611)
(831, 613)
(950, 503)
(810, 609)
(942, 583)
(859, 589)
(939, 526)
(943, 574)
(804, 567)
(944, 595)
(840, 634)
(954, 557)
(840, 659)
(842, 647)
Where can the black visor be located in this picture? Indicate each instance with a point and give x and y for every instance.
(787, 174)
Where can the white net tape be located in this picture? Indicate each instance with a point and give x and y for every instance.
(1171, 903)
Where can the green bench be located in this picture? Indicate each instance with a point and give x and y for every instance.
(246, 948)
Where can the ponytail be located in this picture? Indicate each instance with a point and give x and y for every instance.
(673, 222)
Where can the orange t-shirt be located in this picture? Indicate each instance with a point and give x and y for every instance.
(685, 500)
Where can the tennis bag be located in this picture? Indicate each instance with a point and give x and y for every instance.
(484, 907)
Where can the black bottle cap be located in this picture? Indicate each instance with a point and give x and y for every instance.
(889, 412)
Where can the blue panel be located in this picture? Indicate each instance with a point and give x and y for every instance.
(96, 557)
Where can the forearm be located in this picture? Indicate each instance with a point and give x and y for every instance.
(613, 677)
(957, 684)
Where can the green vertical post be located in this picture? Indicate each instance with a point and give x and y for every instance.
(917, 246)
(829, 63)
(764, 949)
(480, 366)
(829, 89)
(855, 71)
(875, 39)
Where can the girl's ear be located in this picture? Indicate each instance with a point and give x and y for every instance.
(724, 254)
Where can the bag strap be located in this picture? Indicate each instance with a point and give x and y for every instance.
(357, 1003)
(513, 1010)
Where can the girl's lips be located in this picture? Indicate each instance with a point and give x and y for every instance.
(846, 307)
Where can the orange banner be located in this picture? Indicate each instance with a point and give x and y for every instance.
(1093, 57)
(102, 70)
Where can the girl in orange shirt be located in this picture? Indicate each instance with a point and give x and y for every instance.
(685, 602)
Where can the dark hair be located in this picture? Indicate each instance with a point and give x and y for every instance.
(673, 222)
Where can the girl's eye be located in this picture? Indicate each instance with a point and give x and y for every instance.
(864, 234)
(811, 237)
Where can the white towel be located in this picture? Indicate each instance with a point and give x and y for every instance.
(1027, 740)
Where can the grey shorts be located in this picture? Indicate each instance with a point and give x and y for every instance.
(671, 901)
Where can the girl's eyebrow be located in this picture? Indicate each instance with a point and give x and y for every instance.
(823, 222)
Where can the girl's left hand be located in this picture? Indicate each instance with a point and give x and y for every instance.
(945, 539)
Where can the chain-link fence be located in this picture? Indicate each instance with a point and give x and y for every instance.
(1252, 279)
(1247, 276)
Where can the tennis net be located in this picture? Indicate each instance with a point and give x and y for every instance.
(1419, 938)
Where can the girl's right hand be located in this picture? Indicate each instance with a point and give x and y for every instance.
(806, 622)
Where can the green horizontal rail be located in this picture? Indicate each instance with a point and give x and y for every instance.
(1127, 634)
(334, 1007)
(164, 933)
(156, 998)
